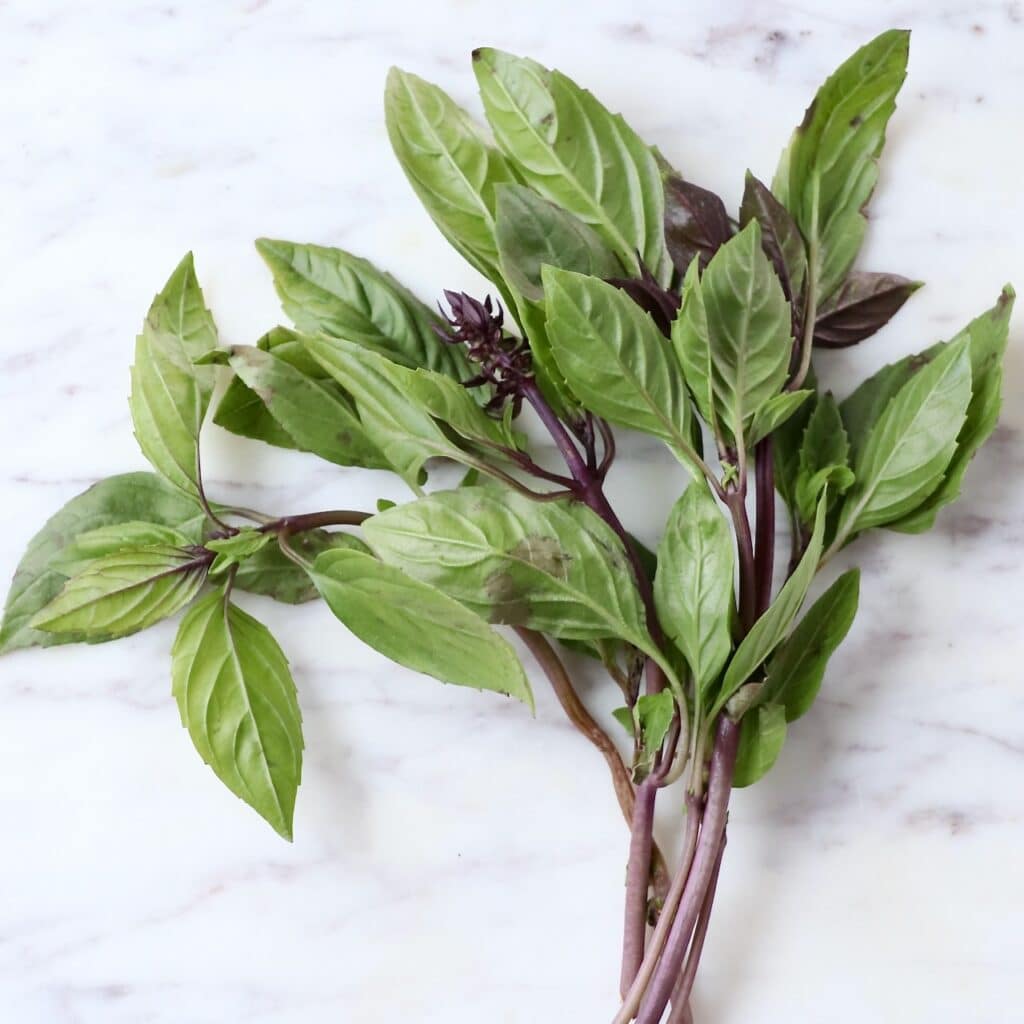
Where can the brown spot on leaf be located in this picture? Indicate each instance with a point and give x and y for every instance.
(510, 606)
(545, 554)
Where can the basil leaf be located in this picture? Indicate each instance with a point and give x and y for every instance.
(450, 167)
(780, 237)
(124, 593)
(118, 499)
(237, 700)
(733, 334)
(864, 304)
(416, 625)
(762, 735)
(824, 458)
(330, 291)
(576, 153)
(84, 549)
(907, 451)
(696, 222)
(654, 713)
(551, 566)
(313, 414)
(774, 413)
(533, 231)
(170, 395)
(827, 174)
(232, 551)
(796, 669)
(787, 441)
(693, 587)
(615, 358)
(767, 633)
(271, 573)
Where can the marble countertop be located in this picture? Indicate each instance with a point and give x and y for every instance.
(455, 860)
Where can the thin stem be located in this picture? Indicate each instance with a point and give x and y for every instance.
(580, 717)
(289, 552)
(525, 463)
(201, 494)
(723, 759)
(638, 873)
(315, 520)
(745, 551)
(764, 463)
(631, 1001)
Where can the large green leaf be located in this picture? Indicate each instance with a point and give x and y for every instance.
(120, 499)
(770, 629)
(552, 566)
(828, 172)
(615, 359)
(693, 588)
(123, 593)
(417, 625)
(237, 700)
(733, 334)
(906, 453)
(533, 232)
(762, 735)
(575, 152)
(794, 673)
(448, 164)
(312, 412)
(170, 395)
(84, 549)
(332, 292)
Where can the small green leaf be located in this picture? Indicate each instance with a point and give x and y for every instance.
(573, 151)
(770, 629)
(313, 414)
(796, 669)
(330, 291)
(655, 712)
(117, 500)
(533, 232)
(733, 335)
(169, 394)
(449, 165)
(237, 700)
(827, 174)
(553, 566)
(824, 454)
(81, 552)
(416, 625)
(762, 735)
(774, 413)
(231, 551)
(124, 592)
(907, 451)
(615, 359)
(693, 588)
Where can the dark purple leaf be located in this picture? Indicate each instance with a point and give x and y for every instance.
(645, 291)
(696, 222)
(863, 304)
(780, 238)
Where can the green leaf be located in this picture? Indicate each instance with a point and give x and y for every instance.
(84, 549)
(313, 414)
(615, 359)
(907, 451)
(770, 629)
(780, 237)
(733, 334)
(552, 566)
(787, 441)
(271, 573)
(827, 174)
(796, 669)
(416, 625)
(573, 151)
(117, 500)
(237, 700)
(169, 394)
(987, 335)
(533, 232)
(124, 592)
(824, 454)
(693, 587)
(654, 712)
(774, 413)
(450, 167)
(762, 735)
(231, 551)
(330, 291)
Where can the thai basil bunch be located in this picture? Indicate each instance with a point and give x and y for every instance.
(627, 296)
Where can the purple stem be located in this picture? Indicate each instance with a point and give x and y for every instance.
(638, 874)
(723, 759)
(764, 566)
(735, 500)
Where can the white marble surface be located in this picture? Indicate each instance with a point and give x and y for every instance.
(455, 860)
